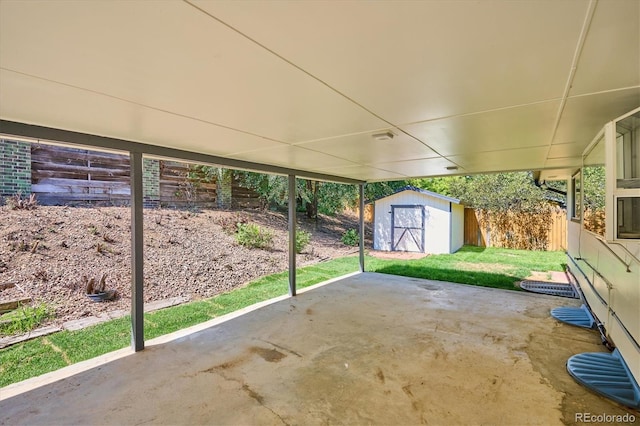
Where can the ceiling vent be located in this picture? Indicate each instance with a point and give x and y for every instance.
(384, 136)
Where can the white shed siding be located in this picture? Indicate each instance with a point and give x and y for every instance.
(457, 228)
(382, 221)
(438, 225)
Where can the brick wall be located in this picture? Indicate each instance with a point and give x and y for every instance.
(68, 168)
(151, 183)
(15, 167)
(224, 189)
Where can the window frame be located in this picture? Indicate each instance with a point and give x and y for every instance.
(614, 191)
(576, 195)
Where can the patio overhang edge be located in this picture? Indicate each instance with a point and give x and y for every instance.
(136, 151)
(32, 131)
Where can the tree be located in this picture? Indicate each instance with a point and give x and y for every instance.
(328, 198)
(594, 196)
(499, 192)
(510, 206)
(439, 185)
(593, 182)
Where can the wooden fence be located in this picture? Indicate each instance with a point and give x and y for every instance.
(476, 236)
(69, 175)
(61, 175)
(176, 190)
(244, 198)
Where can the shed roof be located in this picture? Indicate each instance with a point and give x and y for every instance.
(422, 191)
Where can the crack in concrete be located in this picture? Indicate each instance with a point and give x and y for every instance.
(245, 388)
(283, 348)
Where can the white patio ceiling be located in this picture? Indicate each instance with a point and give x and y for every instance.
(478, 85)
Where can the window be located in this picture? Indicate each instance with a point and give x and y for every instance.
(576, 191)
(593, 189)
(627, 173)
(628, 152)
(628, 222)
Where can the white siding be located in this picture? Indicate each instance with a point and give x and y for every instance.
(437, 221)
(437, 228)
(623, 299)
(382, 224)
(457, 227)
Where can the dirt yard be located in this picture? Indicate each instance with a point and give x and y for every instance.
(47, 252)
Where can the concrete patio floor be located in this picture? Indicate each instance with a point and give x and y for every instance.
(367, 349)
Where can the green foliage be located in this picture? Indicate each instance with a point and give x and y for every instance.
(494, 192)
(593, 202)
(302, 239)
(439, 185)
(24, 319)
(511, 205)
(499, 192)
(273, 189)
(328, 198)
(593, 182)
(200, 173)
(373, 191)
(333, 197)
(252, 235)
(351, 237)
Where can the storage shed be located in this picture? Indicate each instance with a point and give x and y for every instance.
(420, 221)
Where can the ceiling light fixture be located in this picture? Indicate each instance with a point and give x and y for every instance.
(452, 167)
(385, 136)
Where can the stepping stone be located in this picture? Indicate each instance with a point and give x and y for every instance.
(580, 317)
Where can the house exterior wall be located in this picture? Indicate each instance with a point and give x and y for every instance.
(15, 168)
(624, 297)
(151, 182)
(437, 221)
(607, 269)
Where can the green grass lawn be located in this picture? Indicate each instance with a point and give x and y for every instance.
(489, 267)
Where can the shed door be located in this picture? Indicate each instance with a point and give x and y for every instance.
(407, 232)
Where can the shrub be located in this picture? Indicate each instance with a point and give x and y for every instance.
(302, 240)
(351, 237)
(16, 202)
(24, 319)
(230, 224)
(252, 235)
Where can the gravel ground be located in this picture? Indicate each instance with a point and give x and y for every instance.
(47, 252)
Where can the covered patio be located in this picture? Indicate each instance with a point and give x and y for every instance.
(368, 348)
(350, 92)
